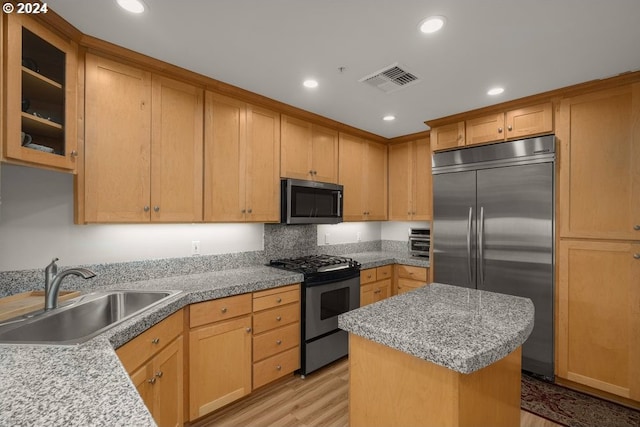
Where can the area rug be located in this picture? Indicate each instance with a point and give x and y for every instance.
(571, 408)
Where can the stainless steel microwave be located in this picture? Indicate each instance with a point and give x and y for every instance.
(310, 202)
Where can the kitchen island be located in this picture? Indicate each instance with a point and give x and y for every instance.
(440, 355)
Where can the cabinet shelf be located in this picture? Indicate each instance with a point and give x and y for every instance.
(37, 86)
(38, 126)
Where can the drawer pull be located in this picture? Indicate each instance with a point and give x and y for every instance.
(152, 381)
(224, 309)
(278, 342)
(155, 341)
(279, 300)
(278, 368)
(159, 374)
(248, 329)
(279, 318)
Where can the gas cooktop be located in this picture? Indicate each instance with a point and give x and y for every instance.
(318, 267)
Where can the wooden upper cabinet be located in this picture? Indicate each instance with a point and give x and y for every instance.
(502, 126)
(176, 151)
(485, 129)
(447, 136)
(410, 188)
(599, 157)
(143, 146)
(527, 121)
(117, 179)
(242, 161)
(41, 96)
(308, 151)
(363, 173)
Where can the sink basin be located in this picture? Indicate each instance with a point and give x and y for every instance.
(80, 318)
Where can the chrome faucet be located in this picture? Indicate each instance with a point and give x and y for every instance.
(53, 279)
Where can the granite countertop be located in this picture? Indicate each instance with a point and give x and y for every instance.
(459, 328)
(86, 385)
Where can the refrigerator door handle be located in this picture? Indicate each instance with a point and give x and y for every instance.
(469, 246)
(481, 249)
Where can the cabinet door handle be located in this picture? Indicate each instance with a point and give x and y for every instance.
(279, 318)
(248, 329)
(636, 256)
(509, 128)
(278, 368)
(636, 227)
(152, 381)
(243, 211)
(155, 341)
(499, 130)
(146, 209)
(159, 374)
(156, 208)
(250, 210)
(278, 342)
(74, 153)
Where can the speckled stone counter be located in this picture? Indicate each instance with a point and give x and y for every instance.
(380, 258)
(458, 328)
(85, 385)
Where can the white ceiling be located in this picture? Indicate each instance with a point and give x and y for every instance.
(270, 46)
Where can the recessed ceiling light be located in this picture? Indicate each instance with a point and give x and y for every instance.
(495, 91)
(133, 6)
(389, 118)
(432, 24)
(310, 83)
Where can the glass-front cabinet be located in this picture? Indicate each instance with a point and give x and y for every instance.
(40, 104)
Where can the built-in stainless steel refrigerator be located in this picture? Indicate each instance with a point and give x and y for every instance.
(493, 229)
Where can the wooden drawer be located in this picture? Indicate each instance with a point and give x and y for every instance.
(275, 341)
(414, 273)
(276, 367)
(384, 272)
(134, 353)
(271, 298)
(406, 285)
(367, 276)
(219, 309)
(275, 317)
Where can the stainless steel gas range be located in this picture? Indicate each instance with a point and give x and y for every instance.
(331, 287)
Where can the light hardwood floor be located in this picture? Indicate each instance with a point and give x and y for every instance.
(321, 399)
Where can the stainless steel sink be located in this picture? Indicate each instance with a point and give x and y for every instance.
(80, 318)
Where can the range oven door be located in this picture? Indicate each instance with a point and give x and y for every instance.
(324, 302)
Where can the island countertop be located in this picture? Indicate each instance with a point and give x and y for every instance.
(461, 329)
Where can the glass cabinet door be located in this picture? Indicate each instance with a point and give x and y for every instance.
(41, 79)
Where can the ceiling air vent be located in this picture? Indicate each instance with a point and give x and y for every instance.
(391, 78)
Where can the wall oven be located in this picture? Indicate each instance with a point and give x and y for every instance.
(419, 242)
(331, 287)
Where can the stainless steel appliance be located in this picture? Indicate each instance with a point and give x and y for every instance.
(493, 229)
(331, 287)
(419, 242)
(310, 202)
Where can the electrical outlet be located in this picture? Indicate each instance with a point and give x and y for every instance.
(359, 236)
(195, 247)
(326, 238)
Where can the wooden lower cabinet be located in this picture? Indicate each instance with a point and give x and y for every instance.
(598, 331)
(375, 284)
(154, 360)
(219, 355)
(408, 278)
(276, 334)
